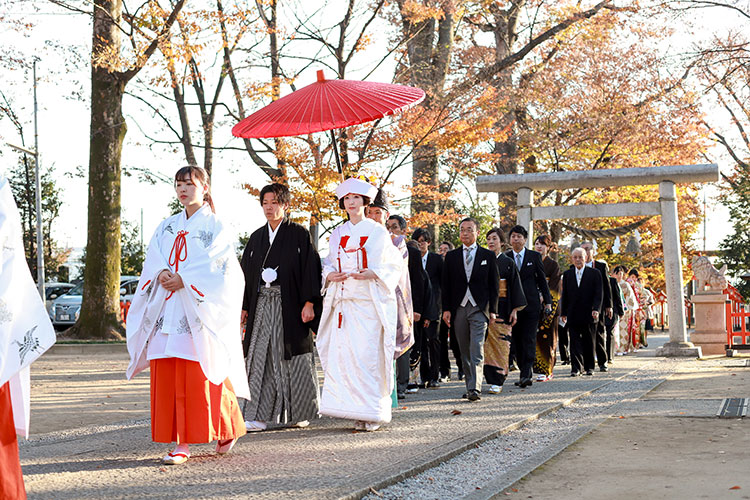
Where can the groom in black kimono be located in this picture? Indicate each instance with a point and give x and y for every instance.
(281, 306)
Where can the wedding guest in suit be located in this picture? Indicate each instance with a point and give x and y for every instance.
(432, 263)
(601, 339)
(447, 338)
(580, 308)
(469, 294)
(534, 282)
(612, 324)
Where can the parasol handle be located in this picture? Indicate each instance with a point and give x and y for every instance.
(336, 154)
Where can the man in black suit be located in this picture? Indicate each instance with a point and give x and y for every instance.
(469, 295)
(581, 303)
(618, 311)
(534, 282)
(408, 361)
(601, 338)
(432, 263)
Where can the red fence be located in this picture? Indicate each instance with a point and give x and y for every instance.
(738, 320)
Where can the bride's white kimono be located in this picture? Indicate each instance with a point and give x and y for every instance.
(357, 334)
(25, 328)
(199, 322)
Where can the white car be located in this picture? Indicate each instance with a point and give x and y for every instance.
(66, 308)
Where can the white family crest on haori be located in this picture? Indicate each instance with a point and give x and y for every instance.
(199, 322)
(357, 333)
(25, 328)
(706, 274)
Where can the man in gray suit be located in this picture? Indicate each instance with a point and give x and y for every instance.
(469, 295)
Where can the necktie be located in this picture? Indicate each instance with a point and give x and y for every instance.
(469, 258)
(518, 261)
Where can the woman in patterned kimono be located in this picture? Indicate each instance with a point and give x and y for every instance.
(183, 324)
(25, 333)
(357, 334)
(546, 336)
(637, 323)
(511, 299)
(281, 305)
(630, 304)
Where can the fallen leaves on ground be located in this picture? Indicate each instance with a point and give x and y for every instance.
(456, 412)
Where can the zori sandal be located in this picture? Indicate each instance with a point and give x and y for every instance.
(173, 458)
(224, 445)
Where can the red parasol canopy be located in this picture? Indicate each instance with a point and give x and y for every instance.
(327, 105)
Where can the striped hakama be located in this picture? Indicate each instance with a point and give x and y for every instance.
(282, 391)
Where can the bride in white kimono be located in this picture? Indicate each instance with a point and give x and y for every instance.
(357, 334)
(25, 333)
(184, 324)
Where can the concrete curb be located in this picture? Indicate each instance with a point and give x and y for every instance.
(77, 349)
(496, 488)
(458, 446)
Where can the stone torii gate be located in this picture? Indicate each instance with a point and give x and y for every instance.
(666, 207)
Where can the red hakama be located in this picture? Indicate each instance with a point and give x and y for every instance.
(187, 408)
(11, 479)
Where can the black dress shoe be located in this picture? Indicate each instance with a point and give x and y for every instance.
(589, 372)
(460, 376)
(603, 368)
(575, 374)
(517, 383)
(434, 384)
(565, 362)
(465, 395)
(525, 383)
(474, 396)
(401, 395)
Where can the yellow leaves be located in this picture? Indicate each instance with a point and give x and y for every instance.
(417, 12)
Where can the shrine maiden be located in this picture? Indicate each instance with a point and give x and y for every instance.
(25, 333)
(357, 335)
(183, 323)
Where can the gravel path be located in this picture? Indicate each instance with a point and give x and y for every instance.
(496, 464)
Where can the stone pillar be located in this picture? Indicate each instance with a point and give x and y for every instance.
(523, 213)
(670, 233)
(710, 332)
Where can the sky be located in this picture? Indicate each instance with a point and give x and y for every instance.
(64, 135)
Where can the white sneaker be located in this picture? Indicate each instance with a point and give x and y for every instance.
(412, 390)
(302, 424)
(495, 389)
(255, 426)
(541, 378)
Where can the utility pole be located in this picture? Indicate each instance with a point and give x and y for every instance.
(39, 236)
(38, 183)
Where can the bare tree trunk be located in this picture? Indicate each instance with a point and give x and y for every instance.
(429, 49)
(100, 311)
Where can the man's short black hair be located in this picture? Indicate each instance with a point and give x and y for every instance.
(280, 191)
(520, 230)
(422, 233)
(472, 220)
(401, 221)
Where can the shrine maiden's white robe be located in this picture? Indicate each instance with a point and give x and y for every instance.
(25, 328)
(357, 334)
(200, 322)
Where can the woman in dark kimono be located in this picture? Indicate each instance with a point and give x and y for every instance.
(281, 305)
(511, 299)
(546, 337)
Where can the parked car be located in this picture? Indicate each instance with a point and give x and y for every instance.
(53, 291)
(66, 308)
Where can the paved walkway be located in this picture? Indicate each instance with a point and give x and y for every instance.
(92, 437)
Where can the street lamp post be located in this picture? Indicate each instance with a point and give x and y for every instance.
(38, 182)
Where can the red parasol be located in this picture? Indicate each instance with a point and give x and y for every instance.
(327, 105)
